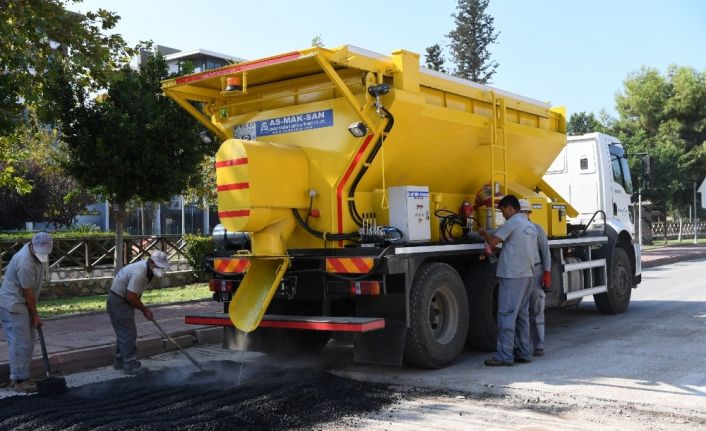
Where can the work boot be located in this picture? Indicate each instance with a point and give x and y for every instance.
(538, 352)
(26, 386)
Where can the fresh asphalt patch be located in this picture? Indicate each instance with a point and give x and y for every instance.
(234, 397)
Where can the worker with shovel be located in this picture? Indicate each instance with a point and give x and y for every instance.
(125, 296)
(18, 306)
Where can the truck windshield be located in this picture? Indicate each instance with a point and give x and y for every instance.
(621, 171)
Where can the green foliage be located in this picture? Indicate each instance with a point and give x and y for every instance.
(665, 116)
(45, 193)
(36, 35)
(73, 233)
(581, 123)
(135, 143)
(197, 248)
(317, 41)
(434, 58)
(94, 303)
(470, 39)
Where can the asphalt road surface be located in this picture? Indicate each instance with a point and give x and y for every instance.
(640, 370)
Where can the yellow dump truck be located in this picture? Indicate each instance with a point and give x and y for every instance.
(355, 182)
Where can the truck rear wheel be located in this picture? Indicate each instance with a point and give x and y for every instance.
(617, 298)
(438, 317)
(482, 288)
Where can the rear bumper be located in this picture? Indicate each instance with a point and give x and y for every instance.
(311, 323)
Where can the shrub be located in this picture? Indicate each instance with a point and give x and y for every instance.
(197, 248)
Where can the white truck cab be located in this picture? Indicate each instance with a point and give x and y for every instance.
(592, 173)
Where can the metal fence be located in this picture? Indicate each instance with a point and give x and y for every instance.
(98, 252)
(677, 230)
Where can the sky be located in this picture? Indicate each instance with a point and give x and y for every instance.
(570, 53)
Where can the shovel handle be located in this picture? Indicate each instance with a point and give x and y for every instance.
(45, 357)
(187, 354)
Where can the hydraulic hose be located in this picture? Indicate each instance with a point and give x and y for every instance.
(378, 144)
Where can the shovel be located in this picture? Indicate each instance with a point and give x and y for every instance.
(187, 354)
(49, 385)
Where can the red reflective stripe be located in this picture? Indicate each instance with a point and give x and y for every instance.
(222, 266)
(315, 326)
(360, 264)
(338, 266)
(241, 265)
(238, 68)
(234, 186)
(324, 326)
(346, 175)
(231, 162)
(231, 214)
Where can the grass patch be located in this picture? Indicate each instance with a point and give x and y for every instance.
(685, 241)
(87, 304)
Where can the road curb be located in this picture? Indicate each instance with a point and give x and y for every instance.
(100, 356)
(672, 259)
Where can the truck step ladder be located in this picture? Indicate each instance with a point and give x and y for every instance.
(592, 286)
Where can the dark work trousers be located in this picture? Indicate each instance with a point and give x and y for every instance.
(536, 309)
(122, 317)
(513, 319)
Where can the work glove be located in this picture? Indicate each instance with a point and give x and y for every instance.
(547, 281)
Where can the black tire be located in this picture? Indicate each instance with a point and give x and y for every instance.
(282, 342)
(482, 286)
(438, 317)
(617, 298)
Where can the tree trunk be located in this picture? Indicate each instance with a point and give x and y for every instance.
(119, 217)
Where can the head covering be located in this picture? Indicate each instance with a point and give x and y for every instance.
(42, 243)
(525, 205)
(160, 259)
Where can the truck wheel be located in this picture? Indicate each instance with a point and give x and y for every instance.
(438, 317)
(617, 298)
(276, 341)
(482, 288)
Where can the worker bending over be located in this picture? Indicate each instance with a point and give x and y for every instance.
(18, 306)
(515, 272)
(125, 296)
(542, 282)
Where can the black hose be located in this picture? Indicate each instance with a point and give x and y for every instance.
(354, 185)
(353, 236)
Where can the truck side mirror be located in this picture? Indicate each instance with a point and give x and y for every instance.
(648, 170)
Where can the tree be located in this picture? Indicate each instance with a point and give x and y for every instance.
(470, 39)
(665, 116)
(434, 58)
(133, 142)
(35, 35)
(317, 41)
(47, 193)
(581, 123)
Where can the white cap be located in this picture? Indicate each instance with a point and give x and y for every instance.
(525, 205)
(160, 259)
(42, 243)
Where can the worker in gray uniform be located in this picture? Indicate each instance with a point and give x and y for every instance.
(18, 306)
(125, 296)
(542, 281)
(515, 272)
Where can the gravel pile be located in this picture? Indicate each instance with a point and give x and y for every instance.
(234, 397)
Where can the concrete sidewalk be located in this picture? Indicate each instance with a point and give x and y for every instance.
(87, 341)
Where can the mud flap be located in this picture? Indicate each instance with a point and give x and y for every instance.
(256, 291)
